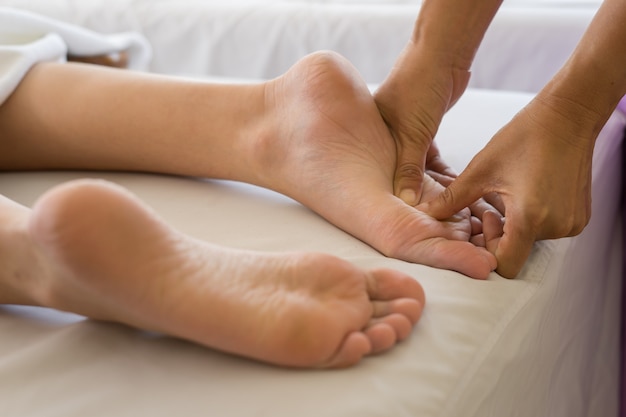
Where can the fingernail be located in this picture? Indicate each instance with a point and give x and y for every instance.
(408, 196)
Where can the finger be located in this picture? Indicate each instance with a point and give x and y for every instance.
(434, 162)
(495, 201)
(442, 179)
(461, 193)
(514, 247)
(409, 173)
(493, 227)
(479, 207)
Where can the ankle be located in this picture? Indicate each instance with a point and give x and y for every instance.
(296, 106)
(259, 140)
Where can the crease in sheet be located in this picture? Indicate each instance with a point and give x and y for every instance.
(535, 278)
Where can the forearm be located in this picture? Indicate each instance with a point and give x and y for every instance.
(452, 30)
(591, 83)
(72, 116)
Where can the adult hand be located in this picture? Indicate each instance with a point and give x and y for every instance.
(540, 166)
(334, 153)
(412, 101)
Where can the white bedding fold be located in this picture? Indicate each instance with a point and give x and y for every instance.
(27, 38)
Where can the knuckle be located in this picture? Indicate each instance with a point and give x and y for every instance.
(578, 224)
(410, 170)
(415, 135)
(448, 197)
(555, 225)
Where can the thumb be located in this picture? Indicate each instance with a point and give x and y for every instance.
(410, 169)
(461, 193)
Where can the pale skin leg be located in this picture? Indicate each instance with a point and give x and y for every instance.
(314, 134)
(92, 248)
(347, 163)
(236, 132)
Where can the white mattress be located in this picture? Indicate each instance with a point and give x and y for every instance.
(545, 344)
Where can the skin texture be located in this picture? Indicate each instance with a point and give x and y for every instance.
(537, 169)
(428, 77)
(122, 263)
(540, 162)
(314, 134)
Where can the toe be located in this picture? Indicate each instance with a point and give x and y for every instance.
(387, 284)
(354, 347)
(408, 307)
(382, 336)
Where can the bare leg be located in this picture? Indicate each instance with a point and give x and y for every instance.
(334, 153)
(92, 248)
(314, 134)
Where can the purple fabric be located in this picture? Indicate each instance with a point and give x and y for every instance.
(622, 105)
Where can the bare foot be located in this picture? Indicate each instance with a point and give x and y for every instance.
(334, 153)
(91, 248)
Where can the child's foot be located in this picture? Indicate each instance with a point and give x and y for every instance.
(332, 151)
(99, 252)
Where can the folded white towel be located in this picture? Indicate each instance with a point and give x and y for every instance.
(27, 38)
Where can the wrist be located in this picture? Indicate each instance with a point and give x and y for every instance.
(594, 77)
(586, 101)
(250, 143)
(429, 72)
(440, 50)
(452, 31)
(563, 120)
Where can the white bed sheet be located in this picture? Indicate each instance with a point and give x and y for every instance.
(545, 344)
(526, 43)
